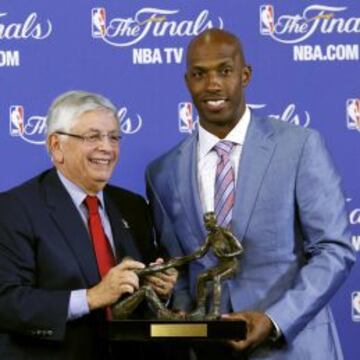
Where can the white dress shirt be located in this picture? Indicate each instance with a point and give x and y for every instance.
(208, 158)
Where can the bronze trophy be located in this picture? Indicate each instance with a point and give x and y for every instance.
(197, 323)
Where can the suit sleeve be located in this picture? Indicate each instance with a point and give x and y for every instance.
(25, 308)
(327, 250)
(166, 239)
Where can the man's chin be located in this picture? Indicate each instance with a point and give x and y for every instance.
(215, 116)
(217, 120)
(102, 175)
(100, 181)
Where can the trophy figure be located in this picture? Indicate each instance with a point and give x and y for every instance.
(225, 247)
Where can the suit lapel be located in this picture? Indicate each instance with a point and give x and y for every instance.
(255, 158)
(123, 240)
(186, 183)
(68, 221)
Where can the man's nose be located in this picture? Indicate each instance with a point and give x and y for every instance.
(213, 81)
(104, 142)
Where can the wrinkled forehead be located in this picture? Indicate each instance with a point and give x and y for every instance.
(96, 119)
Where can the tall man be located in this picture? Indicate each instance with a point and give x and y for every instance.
(274, 186)
(69, 243)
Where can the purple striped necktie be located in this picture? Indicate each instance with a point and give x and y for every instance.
(224, 184)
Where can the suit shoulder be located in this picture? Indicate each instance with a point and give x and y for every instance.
(26, 189)
(20, 204)
(282, 126)
(282, 129)
(166, 159)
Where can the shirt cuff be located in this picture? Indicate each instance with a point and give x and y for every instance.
(78, 305)
(276, 333)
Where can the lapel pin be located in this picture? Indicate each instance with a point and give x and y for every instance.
(125, 223)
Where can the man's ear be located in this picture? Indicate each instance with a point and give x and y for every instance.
(55, 148)
(246, 75)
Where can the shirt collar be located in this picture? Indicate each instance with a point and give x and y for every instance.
(77, 194)
(237, 135)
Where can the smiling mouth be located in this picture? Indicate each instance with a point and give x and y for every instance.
(100, 161)
(215, 105)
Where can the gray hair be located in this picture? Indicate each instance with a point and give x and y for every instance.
(67, 107)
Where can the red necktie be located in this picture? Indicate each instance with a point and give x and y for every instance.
(104, 255)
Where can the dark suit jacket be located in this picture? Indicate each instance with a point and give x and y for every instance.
(45, 252)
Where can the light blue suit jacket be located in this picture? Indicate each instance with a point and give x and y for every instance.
(289, 215)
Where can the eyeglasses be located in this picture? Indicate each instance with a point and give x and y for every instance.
(94, 138)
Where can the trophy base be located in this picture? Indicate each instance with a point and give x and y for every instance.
(144, 330)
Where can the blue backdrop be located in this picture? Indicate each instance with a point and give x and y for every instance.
(305, 57)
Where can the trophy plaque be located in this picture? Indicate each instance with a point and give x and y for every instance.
(158, 330)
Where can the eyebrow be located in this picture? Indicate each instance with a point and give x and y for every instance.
(218, 65)
(99, 131)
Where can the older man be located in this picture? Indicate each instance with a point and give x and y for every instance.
(70, 243)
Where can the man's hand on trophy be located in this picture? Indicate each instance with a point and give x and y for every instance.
(119, 281)
(259, 328)
(162, 282)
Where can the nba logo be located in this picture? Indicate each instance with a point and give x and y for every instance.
(98, 22)
(16, 120)
(353, 114)
(355, 306)
(186, 124)
(266, 19)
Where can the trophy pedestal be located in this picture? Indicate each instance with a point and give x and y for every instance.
(145, 330)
